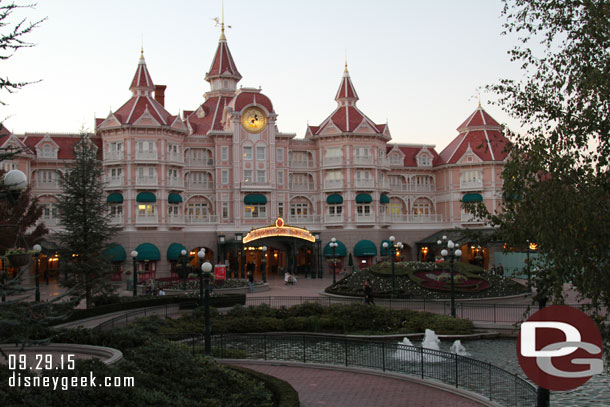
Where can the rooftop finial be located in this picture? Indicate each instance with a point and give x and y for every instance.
(479, 100)
(345, 61)
(221, 22)
(142, 47)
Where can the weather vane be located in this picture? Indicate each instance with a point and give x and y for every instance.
(221, 22)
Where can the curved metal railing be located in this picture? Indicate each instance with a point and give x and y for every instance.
(477, 376)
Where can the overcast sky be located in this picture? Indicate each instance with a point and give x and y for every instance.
(416, 64)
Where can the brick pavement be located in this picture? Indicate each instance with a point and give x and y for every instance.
(340, 388)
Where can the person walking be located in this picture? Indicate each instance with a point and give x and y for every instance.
(368, 292)
(500, 270)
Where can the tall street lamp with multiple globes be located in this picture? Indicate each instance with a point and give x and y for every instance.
(452, 250)
(393, 248)
(206, 269)
(182, 261)
(333, 245)
(37, 248)
(134, 255)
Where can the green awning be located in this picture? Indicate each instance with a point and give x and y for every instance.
(384, 199)
(146, 197)
(340, 251)
(115, 197)
(173, 251)
(174, 198)
(255, 199)
(382, 251)
(365, 248)
(334, 199)
(148, 251)
(363, 198)
(472, 198)
(115, 253)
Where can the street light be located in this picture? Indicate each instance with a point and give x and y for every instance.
(264, 263)
(37, 248)
(201, 255)
(182, 261)
(393, 248)
(333, 246)
(134, 255)
(452, 251)
(318, 256)
(206, 268)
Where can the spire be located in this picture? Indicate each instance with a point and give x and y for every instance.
(142, 83)
(346, 95)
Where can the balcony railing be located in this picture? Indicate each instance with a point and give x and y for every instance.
(50, 222)
(251, 185)
(175, 157)
(364, 183)
(370, 217)
(476, 184)
(300, 219)
(301, 186)
(116, 219)
(333, 184)
(175, 182)
(113, 155)
(147, 181)
(328, 218)
(384, 162)
(113, 181)
(201, 162)
(53, 184)
(175, 219)
(333, 160)
(363, 160)
(470, 218)
(410, 218)
(201, 219)
(412, 187)
(146, 219)
(146, 155)
(301, 163)
(201, 185)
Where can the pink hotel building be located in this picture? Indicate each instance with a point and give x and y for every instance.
(209, 176)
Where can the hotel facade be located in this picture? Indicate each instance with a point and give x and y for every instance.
(209, 176)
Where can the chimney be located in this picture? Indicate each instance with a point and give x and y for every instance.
(160, 94)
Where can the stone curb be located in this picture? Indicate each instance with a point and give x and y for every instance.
(430, 383)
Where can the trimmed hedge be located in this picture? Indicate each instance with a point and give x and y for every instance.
(283, 394)
(221, 301)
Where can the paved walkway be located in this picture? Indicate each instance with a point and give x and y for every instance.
(340, 388)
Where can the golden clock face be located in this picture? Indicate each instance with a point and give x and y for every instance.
(253, 120)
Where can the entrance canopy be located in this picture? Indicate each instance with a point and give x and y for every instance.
(115, 253)
(365, 248)
(148, 251)
(340, 251)
(277, 230)
(173, 251)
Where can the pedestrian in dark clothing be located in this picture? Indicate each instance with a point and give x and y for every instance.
(500, 270)
(251, 281)
(368, 292)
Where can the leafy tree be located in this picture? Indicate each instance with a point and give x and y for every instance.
(12, 39)
(556, 182)
(86, 226)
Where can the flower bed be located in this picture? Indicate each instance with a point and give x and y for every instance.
(440, 280)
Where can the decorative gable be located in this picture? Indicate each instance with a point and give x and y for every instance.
(364, 128)
(146, 119)
(111, 121)
(469, 157)
(47, 148)
(424, 158)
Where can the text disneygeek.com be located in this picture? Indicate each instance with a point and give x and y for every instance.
(65, 383)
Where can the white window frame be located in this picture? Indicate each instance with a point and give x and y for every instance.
(247, 153)
(224, 153)
(261, 153)
(279, 154)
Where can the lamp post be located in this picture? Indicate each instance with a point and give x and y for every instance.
(333, 246)
(201, 255)
(206, 268)
(393, 248)
(182, 261)
(264, 264)
(318, 261)
(134, 255)
(37, 248)
(452, 251)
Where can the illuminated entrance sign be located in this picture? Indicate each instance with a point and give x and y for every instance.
(279, 229)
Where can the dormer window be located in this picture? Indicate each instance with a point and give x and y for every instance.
(47, 151)
(424, 160)
(395, 159)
